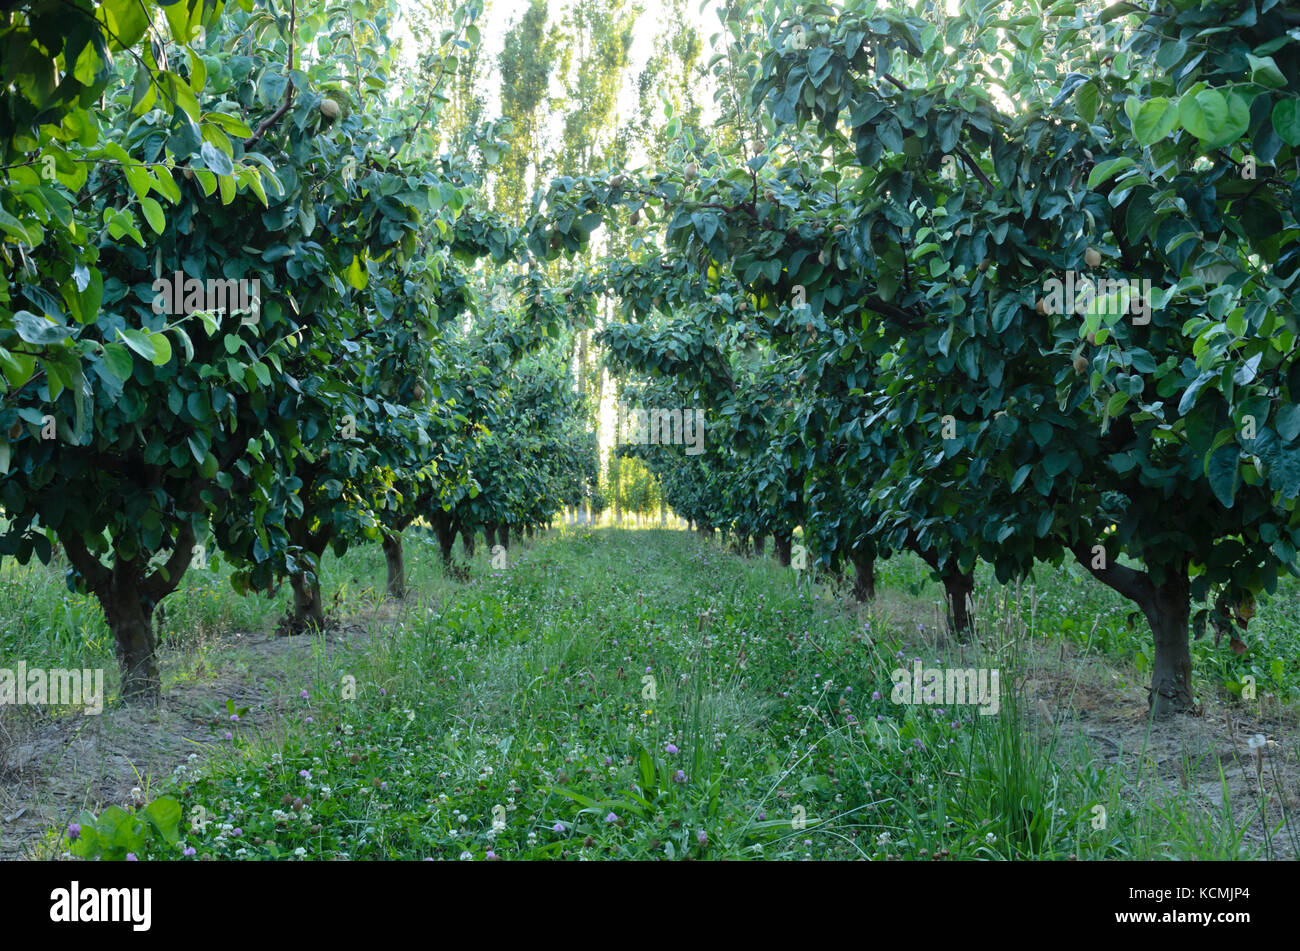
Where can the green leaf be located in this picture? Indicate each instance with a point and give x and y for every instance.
(1156, 118)
(139, 342)
(1288, 422)
(162, 347)
(646, 764)
(1286, 121)
(1263, 70)
(1214, 118)
(1223, 473)
(33, 328)
(1004, 311)
(164, 814)
(118, 360)
(153, 214)
(356, 274)
(215, 159)
(1086, 100)
(1109, 169)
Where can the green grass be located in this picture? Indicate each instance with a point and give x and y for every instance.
(1065, 602)
(644, 695)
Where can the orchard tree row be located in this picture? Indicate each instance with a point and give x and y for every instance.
(1010, 286)
(246, 308)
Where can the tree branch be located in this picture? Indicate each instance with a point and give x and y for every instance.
(276, 116)
(1134, 585)
(87, 565)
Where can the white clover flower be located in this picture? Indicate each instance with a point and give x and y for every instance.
(465, 857)
(300, 852)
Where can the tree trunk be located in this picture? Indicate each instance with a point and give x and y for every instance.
(864, 575)
(502, 535)
(446, 539)
(129, 613)
(308, 612)
(957, 588)
(1167, 608)
(393, 555)
(467, 539)
(529, 530)
(760, 545)
(1167, 611)
(781, 541)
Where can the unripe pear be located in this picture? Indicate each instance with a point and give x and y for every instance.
(1041, 307)
(329, 109)
(617, 181)
(1080, 364)
(691, 171)
(1092, 257)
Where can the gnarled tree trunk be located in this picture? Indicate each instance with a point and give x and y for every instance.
(1167, 608)
(129, 612)
(760, 545)
(128, 597)
(467, 539)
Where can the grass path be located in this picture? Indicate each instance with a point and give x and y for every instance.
(638, 694)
